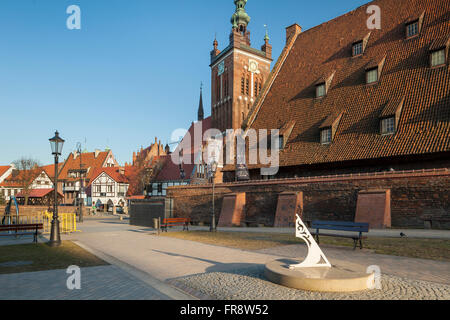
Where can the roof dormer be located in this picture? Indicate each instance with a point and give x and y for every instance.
(329, 127)
(374, 70)
(323, 84)
(413, 26)
(390, 116)
(439, 51)
(359, 46)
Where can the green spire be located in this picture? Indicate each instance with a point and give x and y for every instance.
(266, 37)
(240, 17)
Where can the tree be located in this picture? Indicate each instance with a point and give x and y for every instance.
(25, 172)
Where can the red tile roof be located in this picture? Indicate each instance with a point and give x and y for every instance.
(38, 193)
(3, 169)
(424, 124)
(170, 170)
(113, 172)
(89, 162)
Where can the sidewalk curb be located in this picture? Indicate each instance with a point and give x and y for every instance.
(172, 292)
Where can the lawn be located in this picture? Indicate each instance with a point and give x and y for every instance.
(44, 257)
(435, 249)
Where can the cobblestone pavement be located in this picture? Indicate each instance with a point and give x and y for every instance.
(97, 283)
(250, 284)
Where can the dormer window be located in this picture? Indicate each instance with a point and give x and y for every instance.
(359, 45)
(357, 48)
(390, 116)
(320, 90)
(438, 58)
(412, 29)
(388, 126)
(439, 51)
(372, 75)
(329, 127)
(325, 136)
(413, 26)
(323, 84)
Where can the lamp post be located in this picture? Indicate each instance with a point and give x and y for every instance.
(81, 188)
(56, 144)
(213, 169)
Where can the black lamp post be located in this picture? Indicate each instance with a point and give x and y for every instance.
(213, 169)
(57, 144)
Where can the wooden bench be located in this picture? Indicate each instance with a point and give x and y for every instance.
(22, 230)
(356, 229)
(172, 222)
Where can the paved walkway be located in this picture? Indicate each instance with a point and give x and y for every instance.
(97, 283)
(140, 259)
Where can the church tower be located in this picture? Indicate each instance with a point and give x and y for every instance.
(238, 73)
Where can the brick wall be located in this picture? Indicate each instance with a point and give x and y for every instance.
(418, 198)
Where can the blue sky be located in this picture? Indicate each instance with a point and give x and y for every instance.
(130, 74)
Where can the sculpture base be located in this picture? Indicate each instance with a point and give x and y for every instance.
(319, 279)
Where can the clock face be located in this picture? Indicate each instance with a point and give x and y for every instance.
(253, 66)
(221, 68)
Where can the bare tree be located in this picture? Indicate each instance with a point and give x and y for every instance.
(25, 172)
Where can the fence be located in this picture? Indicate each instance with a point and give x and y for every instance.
(67, 221)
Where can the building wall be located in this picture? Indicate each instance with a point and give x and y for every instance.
(418, 198)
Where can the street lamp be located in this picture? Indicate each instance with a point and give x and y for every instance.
(212, 174)
(56, 144)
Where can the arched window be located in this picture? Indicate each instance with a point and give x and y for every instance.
(243, 85)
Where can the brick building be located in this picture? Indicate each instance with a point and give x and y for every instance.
(364, 122)
(348, 99)
(238, 73)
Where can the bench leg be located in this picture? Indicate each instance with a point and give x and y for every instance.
(360, 244)
(355, 242)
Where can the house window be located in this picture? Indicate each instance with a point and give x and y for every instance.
(325, 136)
(243, 85)
(320, 90)
(247, 86)
(255, 89)
(412, 29)
(357, 48)
(438, 58)
(280, 142)
(388, 126)
(372, 75)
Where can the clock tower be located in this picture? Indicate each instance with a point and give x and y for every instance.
(238, 73)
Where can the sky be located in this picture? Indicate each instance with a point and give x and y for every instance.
(130, 74)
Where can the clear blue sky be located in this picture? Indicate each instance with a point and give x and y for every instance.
(131, 73)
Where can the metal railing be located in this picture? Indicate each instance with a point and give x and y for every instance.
(67, 221)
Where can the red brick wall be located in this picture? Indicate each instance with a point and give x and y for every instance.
(417, 197)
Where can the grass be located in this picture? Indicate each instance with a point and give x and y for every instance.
(46, 258)
(435, 249)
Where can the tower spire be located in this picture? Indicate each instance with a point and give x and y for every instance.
(240, 19)
(201, 113)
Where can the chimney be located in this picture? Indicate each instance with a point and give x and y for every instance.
(292, 31)
(75, 155)
(97, 152)
(121, 170)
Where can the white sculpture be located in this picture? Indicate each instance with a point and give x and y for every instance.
(315, 254)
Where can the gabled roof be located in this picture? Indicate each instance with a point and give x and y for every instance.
(38, 193)
(90, 161)
(171, 171)
(4, 169)
(113, 172)
(424, 125)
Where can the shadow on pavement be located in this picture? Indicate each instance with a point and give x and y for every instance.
(233, 268)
